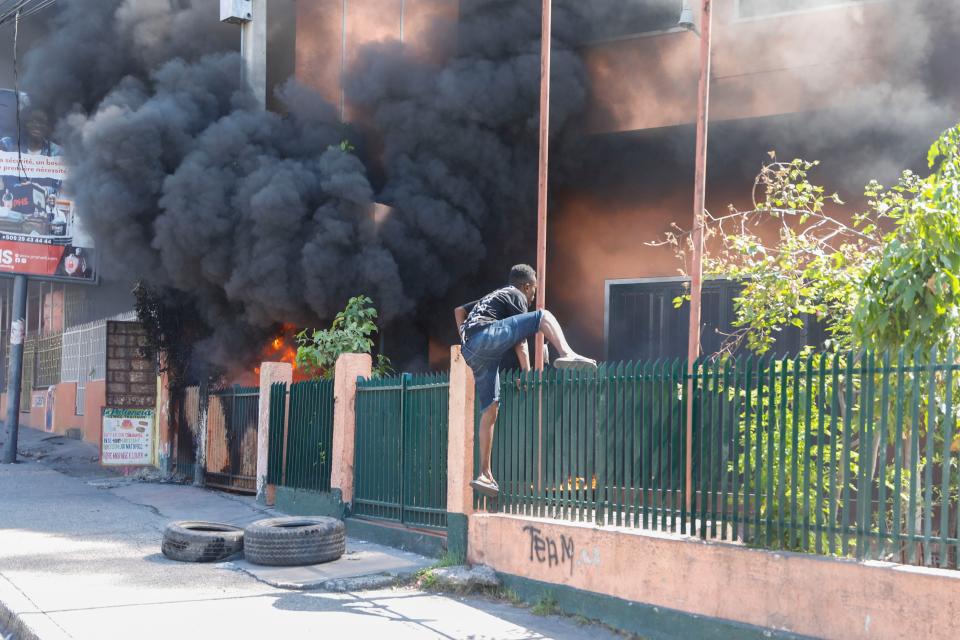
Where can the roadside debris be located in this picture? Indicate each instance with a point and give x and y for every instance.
(294, 541)
(194, 541)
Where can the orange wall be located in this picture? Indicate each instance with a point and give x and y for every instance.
(95, 401)
(600, 240)
(792, 592)
(65, 410)
(761, 67)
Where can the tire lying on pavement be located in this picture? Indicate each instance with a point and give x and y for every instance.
(195, 541)
(294, 541)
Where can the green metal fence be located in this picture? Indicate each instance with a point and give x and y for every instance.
(300, 456)
(400, 469)
(604, 446)
(853, 455)
(276, 448)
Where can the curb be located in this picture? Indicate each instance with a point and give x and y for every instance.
(22, 617)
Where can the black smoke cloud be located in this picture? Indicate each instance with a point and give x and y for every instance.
(257, 218)
(460, 140)
(460, 143)
(93, 45)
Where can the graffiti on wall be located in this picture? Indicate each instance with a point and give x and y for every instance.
(562, 552)
(550, 551)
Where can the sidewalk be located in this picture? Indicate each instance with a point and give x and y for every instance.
(80, 558)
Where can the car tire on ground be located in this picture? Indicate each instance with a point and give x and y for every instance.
(195, 541)
(294, 541)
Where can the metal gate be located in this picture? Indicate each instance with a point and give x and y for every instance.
(400, 466)
(301, 449)
(190, 410)
(231, 458)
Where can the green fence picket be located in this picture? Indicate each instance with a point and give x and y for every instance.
(278, 411)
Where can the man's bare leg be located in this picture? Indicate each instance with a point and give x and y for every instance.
(488, 420)
(554, 335)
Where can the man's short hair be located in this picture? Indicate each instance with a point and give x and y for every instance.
(522, 274)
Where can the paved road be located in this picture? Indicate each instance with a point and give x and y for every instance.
(79, 558)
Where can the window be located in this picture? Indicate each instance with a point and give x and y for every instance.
(761, 8)
(643, 324)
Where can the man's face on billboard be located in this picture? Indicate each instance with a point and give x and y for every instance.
(38, 126)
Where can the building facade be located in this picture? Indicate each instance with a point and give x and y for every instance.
(819, 79)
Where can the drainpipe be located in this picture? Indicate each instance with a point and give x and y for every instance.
(699, 200)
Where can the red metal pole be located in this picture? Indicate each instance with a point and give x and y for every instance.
(699, 200)
(544, 172)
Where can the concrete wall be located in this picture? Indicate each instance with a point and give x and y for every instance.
(803, 594)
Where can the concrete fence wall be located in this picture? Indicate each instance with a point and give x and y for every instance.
(709, 589)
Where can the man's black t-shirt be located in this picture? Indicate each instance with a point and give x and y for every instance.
(502, 303)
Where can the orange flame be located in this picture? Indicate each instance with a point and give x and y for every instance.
(282, 348)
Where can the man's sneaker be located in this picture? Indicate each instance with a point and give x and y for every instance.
(489, 489)
(575, 362)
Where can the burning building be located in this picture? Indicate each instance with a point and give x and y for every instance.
(424, 112)
(862, 86)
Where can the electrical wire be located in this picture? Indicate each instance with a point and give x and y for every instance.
(9, 9)
(22, 172)
(14, 11)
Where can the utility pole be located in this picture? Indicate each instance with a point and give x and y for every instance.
(251, 15)
(699, 206)
(18, 316)
(545, 46)
(18, 327)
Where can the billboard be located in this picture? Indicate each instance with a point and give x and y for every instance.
(40, 234)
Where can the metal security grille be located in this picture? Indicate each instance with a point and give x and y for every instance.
(400, 469)
(84, 357)
(300, 455)
(49, 361)
(29, 366)
(231, 455)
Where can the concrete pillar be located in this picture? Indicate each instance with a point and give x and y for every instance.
(270, 373)
(253, 48)
(164, 426)
(459, 453)
(349, 366)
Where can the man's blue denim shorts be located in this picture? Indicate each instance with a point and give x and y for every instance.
(484, 349)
